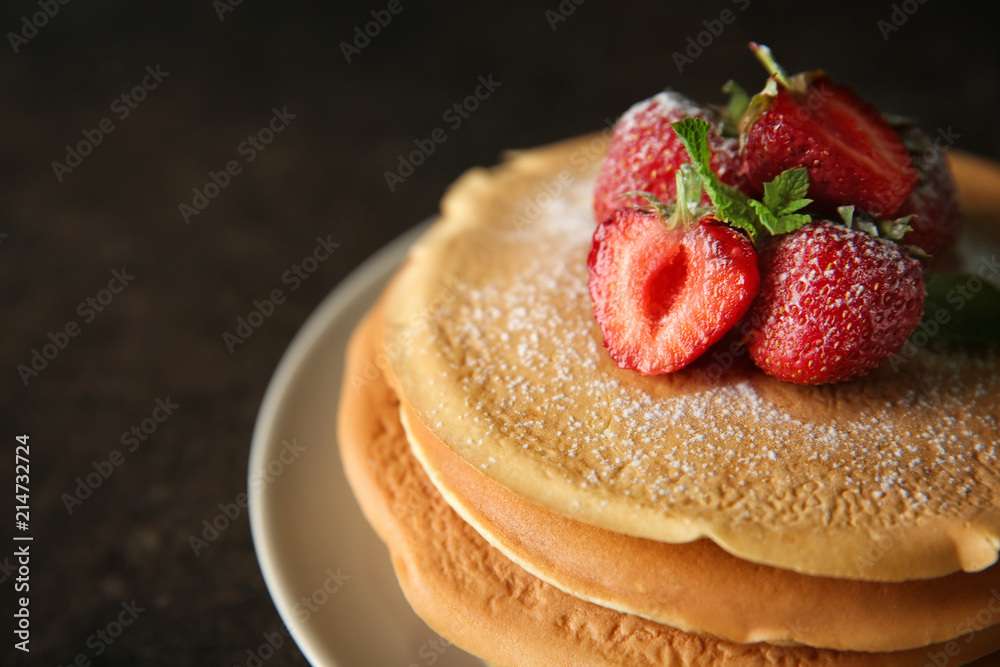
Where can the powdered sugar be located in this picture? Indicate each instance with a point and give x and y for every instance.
(667, 103)
(645, 152)
(523, 346)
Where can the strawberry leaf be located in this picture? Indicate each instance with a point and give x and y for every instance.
(847, 215)
(732, 206)
(895, 230)
(890, 230)
(867, 226)
(739, 100)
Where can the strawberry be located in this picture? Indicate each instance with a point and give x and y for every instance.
(644, 153)
(933, 203)
(834, 303)
(853, 156)
(663, 288)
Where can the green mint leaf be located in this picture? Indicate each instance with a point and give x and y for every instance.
(792, 221)
(793, 185)
(796, 204)
(693, 133)
(961, 308)
(732, 206)
(782, 197)
(767, 218)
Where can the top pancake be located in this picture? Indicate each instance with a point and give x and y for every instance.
(492, 340)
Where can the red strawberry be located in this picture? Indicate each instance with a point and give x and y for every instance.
(663, 296)
(644, 153)
(834, 303)
(852, 154)
(933, 203)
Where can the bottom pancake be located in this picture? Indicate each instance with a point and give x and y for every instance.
(482, 602)
(697, 585)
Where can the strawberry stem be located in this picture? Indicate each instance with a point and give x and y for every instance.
(689, 188)
(773, 68)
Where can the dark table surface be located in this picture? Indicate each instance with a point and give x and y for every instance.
(129, 294)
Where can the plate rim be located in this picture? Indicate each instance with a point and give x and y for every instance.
(262, 443)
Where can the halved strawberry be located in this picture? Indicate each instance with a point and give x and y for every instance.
(936, 223)
(662, 296)
(834, 303)
(852, 154)
(644, 153)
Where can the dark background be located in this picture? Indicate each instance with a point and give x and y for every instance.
(322, 176)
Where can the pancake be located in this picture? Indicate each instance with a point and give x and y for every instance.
(485, 604)
(491, 336)
(697, 586)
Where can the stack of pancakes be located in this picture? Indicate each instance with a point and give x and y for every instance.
(544, 507)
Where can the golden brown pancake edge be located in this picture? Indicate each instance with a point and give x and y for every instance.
(482, 602)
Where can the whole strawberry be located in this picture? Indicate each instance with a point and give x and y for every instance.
(665, 288)
(933, 203)
(644, 153)
(853, 156)
(834, 303)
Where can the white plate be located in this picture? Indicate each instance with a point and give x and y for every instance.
(329, 574)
